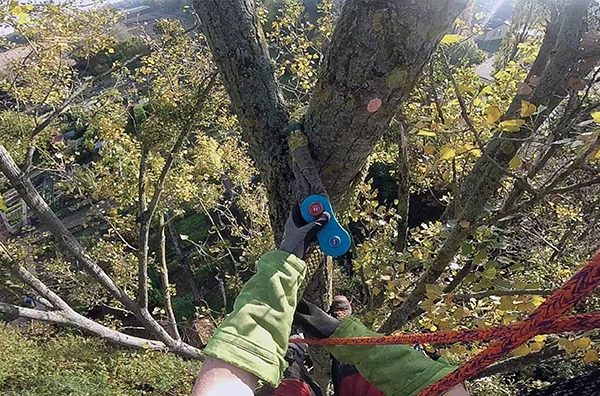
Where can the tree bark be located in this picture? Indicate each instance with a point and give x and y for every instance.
(237, 44)
(375, 57)
(403, 188)
(73, 319)
(164, 277)
(484, 180)
(377, 52)
(64, 314)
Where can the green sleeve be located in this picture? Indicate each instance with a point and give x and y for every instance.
(396, 370)
(254, 337)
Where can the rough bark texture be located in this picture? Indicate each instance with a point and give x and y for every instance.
(484, 180)
(319, 291)
(73, 319)
(403, 189)
(376, 55)
(236, 42)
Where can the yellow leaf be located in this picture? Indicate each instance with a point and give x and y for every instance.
(492, 115)
(429, 149)
(540, 338)
(520, 351)
(566, 345)
(597, 155)
(111, 51)
(591, 356)
(582, 343)
(447, 153)
(451, 39)
(527, 108)
(596, 117)
(537, 300)
(515, 162)
(512, 125)
(536, 346)
(424, 132)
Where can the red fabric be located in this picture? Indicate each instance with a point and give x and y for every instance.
(357, 385)
(293, 387)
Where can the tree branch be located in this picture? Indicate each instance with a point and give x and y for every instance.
(164, 274)
(82, 323)
(403, 188)
(500, 293)
(73, 249)
(146, 213)
(484, 180)
(518, 363)
(67, 316)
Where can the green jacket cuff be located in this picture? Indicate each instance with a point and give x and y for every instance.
(254, 336)
(394, 369)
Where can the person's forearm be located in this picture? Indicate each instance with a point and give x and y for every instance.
(220, 378)
(458, 390)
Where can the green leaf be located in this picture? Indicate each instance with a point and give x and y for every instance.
(515, 163)
(490, 273)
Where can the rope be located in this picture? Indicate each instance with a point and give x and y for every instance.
(581, 285)
(546, 319)
(581, 322)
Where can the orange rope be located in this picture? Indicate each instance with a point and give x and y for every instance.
(581, 322)
(581, 285)
(546, 319)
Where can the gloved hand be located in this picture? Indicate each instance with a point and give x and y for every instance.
(314, 321)
(298, 234)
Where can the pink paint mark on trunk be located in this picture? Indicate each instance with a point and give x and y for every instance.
(374, 105)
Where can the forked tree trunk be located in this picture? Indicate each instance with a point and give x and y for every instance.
(376, 53)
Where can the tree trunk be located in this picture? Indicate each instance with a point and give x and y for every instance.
(375, 57)
(236, 41)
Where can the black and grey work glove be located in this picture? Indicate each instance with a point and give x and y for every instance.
(314, 321)
(298, 234)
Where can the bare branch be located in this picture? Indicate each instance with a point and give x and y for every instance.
(500, 293)
(73, 249)
(82, 323)
(164, 274)
(146, 213)
(518, 363)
